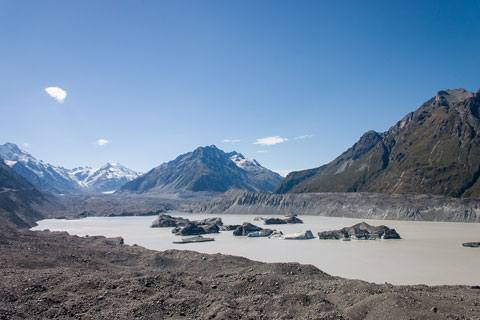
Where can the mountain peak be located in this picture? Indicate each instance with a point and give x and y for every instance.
(10, 150)
(210, 147)
(451, 96)
(206, 169)
(12, 146)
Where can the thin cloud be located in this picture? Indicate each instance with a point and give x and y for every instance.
(269, 141)
(263, 151)
(101, 142)
(26, 145)
(306, 136)
(230, 141)
(57, 93)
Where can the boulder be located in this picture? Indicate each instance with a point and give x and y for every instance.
(360, 231)
(260, 233)
(166, 221)
(300, 236)
(245, 229)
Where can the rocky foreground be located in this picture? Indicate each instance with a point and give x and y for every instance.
(54, 275)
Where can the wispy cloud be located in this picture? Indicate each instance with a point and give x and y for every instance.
(26, 145)
(230, 141)
(306, 136)
(101, 142)
(269, 141)
(263, 151)
(57, 93)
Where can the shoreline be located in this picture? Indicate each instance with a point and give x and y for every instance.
(415, 259)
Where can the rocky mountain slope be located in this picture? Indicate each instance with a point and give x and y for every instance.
(206, 169)
(21, 204)
(433, 150)
(351, 205)
(65, 181)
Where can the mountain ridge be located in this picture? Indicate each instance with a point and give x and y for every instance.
(206, 169)
(432, 150)
(59, 180)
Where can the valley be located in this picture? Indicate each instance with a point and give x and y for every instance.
(139, 271)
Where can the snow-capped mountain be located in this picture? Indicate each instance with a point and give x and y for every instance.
(206, 169)
(265, 178)
(104, 179)
(65, 181)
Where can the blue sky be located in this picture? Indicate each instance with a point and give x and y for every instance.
(159, 78)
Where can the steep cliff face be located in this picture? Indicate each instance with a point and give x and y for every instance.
(434, 150)
(352, 205)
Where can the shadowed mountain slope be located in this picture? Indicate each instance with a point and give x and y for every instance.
(433, 150)
(21, 204)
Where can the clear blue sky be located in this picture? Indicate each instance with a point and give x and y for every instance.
(160, 78)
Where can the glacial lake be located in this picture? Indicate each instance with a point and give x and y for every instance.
(428, 253)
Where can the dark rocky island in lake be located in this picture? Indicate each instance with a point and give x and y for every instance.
(471, 244)
(290, 219)
(245, 229)
(166, 221)
(360, 231)
(185, 227)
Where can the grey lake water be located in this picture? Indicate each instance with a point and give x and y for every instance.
(428, 253)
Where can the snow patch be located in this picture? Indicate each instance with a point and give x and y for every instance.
(10, 163)
(245, 163)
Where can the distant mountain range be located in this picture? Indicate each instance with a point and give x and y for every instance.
(206, 169)
(433, 150)
(82, 180)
